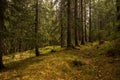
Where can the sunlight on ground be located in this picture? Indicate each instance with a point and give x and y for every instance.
(75, 64)
(29, 53)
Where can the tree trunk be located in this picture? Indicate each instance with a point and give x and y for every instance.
(90, 29)
(1, 52)
(76, 26)
(83, 37)
(36, 30)
(79, 19)
(69, 41)
(118, 13)
(61, 24)
(85, 20)
(2, 30)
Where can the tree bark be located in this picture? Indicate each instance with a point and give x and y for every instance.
(69, 41)
(79, 19)
(1, 53)
(83, 35)
(36, 30)
(118, 13)
(2, 30)
(85, 20)
(61, 24)
(76, 26)
(90, 28)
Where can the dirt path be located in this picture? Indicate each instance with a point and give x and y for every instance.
(74, 64)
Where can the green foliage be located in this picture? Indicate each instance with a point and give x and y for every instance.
(103, 19)
(99, 35)
(19, 21)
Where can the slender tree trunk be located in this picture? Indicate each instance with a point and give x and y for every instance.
(61, 24)
(1, 53)
(2, 30)
(69, 41)
(36, 30)
(118, 13)
(79, 32)
(90, 28)
(86, 32)
(83, 37)
(76, 26)
(1, 38)
(85, 20)
(79, 28)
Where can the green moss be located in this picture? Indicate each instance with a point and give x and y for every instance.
(70, 64)
(49, 49)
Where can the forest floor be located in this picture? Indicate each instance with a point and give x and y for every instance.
(87, 62)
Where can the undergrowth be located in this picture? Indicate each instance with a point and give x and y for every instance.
(88, 62)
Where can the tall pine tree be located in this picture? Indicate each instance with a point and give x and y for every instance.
(2, 30)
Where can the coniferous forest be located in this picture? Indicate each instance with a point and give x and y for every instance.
(59, 39)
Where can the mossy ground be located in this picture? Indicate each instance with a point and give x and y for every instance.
(83, 63)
